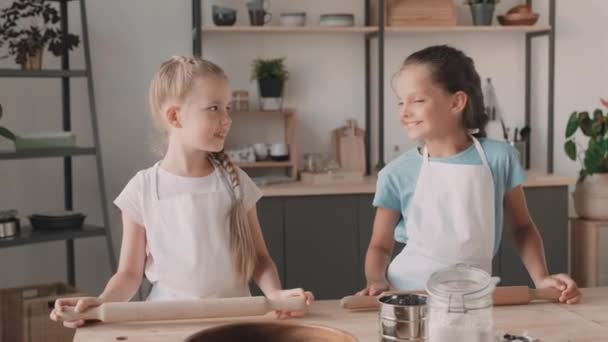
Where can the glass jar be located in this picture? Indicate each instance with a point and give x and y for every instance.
(460, 305)
(240, 100)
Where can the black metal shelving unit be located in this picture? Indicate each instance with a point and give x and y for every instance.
(27, 235)
(379, 33)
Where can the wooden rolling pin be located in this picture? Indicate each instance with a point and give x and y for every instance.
(504, 295)
(184, 309)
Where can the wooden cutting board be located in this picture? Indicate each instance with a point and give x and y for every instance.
(349, 147)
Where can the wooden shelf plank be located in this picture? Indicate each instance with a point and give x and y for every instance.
(285, 29)
(47, 153)
(477, 29)
(29, 236)
(373, 29)
(18, 73)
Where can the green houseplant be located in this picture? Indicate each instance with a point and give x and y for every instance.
(482, 11)
(271, 75)
(27, 27)
(591, 193)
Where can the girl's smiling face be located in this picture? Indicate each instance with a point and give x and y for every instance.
(426, 110)
(204, 116)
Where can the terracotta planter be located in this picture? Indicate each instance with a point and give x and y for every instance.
(591, 197)
(33, 62)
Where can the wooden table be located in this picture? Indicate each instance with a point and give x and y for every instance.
(587, 321)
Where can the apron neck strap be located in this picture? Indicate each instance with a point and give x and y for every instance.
(480, 151)
(476, 143)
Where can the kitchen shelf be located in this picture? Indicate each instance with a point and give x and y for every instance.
(371, 31)
(18, 73)
(288, 115)
(64, 75)
(30, 236)
(286, 29)
(48, 153)
(374, 29)
(455, 29)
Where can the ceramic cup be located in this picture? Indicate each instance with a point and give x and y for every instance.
(279, 151)
(223, 16)
(261, 151)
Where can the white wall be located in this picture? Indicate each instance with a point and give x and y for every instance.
(130, 38)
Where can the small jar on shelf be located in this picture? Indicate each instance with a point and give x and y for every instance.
(240, 100)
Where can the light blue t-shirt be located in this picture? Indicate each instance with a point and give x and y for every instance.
(397, 180)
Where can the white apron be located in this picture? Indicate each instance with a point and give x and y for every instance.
(188, 243)
(450, 220)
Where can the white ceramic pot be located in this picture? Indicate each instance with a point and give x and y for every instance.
(591, 197)
(293, 19)
(279, 150)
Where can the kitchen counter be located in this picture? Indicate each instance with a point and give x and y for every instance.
(587, 321)
(368, 186)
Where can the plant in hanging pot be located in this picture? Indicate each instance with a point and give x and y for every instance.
(28, 27)
(271, 76)
(482, 11)
(591, 193)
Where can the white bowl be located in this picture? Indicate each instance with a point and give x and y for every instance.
(337, 20)
(279, 150)
(293, 19)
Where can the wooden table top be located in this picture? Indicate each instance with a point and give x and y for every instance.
(587, 321)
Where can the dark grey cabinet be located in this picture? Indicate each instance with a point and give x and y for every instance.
(271, 215)
(366, 213)
(320, 242)
(321, 245)
(548, 208)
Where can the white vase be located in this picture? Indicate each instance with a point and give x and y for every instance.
(591, 197)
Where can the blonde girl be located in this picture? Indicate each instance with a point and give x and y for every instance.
(190, 223)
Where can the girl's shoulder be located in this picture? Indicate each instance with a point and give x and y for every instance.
(407, 164)
(141, 178)
(499, 152)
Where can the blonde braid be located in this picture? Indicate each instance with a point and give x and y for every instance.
(242, 245)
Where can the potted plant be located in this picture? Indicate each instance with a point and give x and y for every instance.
(482, 11)
(591, 192)
(271, 76)
(30, 26)
(5, 132)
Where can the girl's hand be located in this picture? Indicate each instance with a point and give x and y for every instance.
(310, 298)
(81, 304)
(604, 102)
(562, 282)
(375, 288)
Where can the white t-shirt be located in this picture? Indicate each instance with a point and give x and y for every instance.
(180, 265)
(130, 200)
